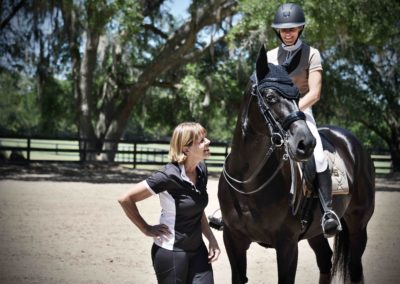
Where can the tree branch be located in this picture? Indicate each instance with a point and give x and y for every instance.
(180, 42)
(174, 52)
(196, 54)
(166, 85)
(155, 30)
(373, 127)
(14, 10)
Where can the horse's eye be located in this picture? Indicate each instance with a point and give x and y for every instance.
(272, 98)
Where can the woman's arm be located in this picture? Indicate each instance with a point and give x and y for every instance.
(128, 201)
(213, 251)
(314, 93)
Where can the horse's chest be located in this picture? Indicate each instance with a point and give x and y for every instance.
(261, 223)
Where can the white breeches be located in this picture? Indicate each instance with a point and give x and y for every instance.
(321, 163)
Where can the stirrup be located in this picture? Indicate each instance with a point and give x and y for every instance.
(216, 222)
(324, 217)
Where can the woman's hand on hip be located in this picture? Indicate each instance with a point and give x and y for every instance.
(160, 231)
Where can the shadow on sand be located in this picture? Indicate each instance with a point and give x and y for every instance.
(72, 172)
(114, 173)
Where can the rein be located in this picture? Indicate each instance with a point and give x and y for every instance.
(255, 173)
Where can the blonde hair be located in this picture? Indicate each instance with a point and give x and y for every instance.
(184, 135)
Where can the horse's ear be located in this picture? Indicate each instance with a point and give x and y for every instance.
(262, 64)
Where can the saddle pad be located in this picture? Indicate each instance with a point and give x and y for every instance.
(340, 184)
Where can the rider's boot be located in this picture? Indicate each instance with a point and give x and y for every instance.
(330, 221)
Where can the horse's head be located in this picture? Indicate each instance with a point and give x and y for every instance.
(277, 101)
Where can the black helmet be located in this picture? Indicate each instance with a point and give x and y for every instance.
(288, 16)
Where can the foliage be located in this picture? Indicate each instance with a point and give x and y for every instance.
(132, 68)
(19, 110)
(359, 42)
(208, 93)
(23, 112)
(361, 55)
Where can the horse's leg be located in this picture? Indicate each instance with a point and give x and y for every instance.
(323, 252)
(236, 248)
(358, 242)
(287, 254)
(350, 247)
(357, 248)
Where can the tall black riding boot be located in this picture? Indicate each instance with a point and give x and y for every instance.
(330, 221)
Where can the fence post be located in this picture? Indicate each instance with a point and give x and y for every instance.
(84, 150)
(134, 155)
(28, 153)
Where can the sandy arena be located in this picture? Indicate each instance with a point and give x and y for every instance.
(76, 232)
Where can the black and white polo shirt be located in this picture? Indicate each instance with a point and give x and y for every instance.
(182, 205)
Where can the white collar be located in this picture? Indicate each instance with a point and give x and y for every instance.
(183, 173)
(292, 47)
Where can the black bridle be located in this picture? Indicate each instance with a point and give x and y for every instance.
(279, 138)
(277, 130)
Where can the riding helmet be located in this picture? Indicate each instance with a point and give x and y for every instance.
(288, 16)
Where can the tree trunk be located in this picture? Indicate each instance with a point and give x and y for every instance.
(394, 144)
(88, 66)
(395, 154)
(177, 51)
(119, 102)
(83, 74)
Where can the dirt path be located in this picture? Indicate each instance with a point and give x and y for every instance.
(75, 232)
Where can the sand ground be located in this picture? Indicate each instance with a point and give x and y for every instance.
(76, 232)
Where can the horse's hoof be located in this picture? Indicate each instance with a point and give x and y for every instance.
(359, 282)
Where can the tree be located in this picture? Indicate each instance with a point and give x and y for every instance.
(159, 53)
(129, 63)
(362, 59)
(19, 110)
(359, 42)
(30, 50)
(118, 51)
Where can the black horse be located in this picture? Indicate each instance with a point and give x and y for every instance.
(260, 180)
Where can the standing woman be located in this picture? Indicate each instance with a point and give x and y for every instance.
(179, 254)
(303, 63)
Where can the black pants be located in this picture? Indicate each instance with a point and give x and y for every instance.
(182, 267)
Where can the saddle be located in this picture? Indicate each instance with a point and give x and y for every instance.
(337, 168)
(340, 184)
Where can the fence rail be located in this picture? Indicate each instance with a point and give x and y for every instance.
(383, 163)
(137, 153)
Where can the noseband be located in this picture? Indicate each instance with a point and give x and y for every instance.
(278, 131)
(279, 138)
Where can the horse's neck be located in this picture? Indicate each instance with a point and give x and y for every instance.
(250, 153)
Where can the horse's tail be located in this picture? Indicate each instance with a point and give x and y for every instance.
(341, 253)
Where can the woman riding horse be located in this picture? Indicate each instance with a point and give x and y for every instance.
(305, 69)
(260, 179)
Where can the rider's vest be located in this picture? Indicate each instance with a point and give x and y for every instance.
(301, 62)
